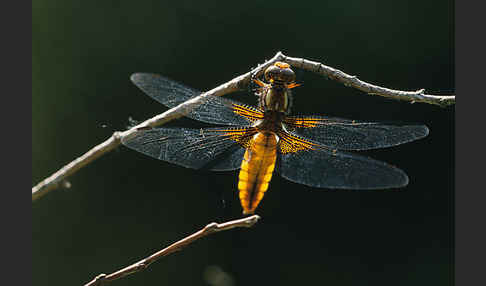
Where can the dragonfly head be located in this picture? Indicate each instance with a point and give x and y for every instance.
(280, 72)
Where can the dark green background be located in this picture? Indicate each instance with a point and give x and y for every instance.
(125, 206)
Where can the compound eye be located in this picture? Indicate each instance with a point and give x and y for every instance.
(279, 72)
(287, 75)
(271, 72)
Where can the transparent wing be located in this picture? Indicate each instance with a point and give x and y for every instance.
(210, 148)
(347, 134)
(215, 110)
(318, 166)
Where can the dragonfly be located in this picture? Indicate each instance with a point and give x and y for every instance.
(260, 140)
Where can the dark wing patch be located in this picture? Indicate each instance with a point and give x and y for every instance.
(343, 134)
(210, 148)
(290, 143)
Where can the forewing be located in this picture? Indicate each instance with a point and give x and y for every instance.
(210, 148)
(215, 110)
(306, 162)
(345, 134)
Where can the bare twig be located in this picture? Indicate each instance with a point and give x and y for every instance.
(233, 85)
(144, 263)
(353, 81)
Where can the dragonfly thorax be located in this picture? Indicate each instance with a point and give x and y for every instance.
(272, 122)
(276, 98)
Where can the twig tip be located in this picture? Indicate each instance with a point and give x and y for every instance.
(253, 219)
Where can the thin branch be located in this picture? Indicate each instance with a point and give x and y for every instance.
(238, 83)
(353, 81)
(144, 263)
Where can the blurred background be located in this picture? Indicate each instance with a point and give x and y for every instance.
(125, 206)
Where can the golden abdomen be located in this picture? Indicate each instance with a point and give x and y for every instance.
(256, 170)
